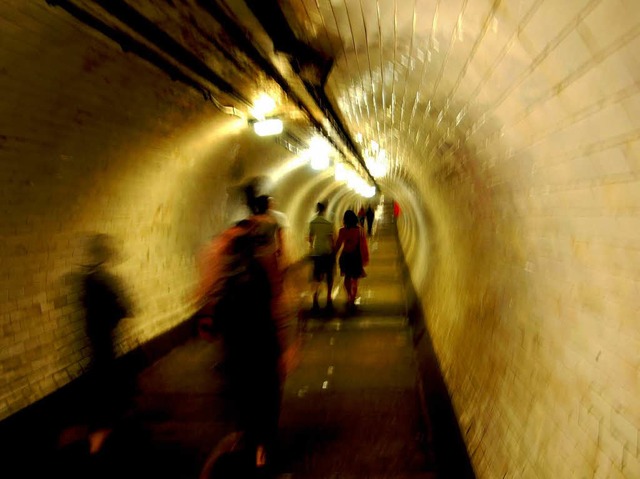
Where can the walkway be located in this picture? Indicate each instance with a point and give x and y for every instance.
(350, 410)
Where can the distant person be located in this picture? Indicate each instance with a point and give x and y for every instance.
(370, 214)
(321, 241)
(361, 216)
(396, 211)
(354, 256)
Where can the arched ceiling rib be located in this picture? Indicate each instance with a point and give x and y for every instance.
(400, 66)
(434, 82)
(429, 79)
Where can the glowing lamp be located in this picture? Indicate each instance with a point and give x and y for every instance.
(263, 105)
(272, 126)
(319, 162)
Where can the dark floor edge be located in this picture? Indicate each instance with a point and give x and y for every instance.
(33, 430)
(451, 455)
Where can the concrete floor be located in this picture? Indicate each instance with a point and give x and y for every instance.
(350, 410)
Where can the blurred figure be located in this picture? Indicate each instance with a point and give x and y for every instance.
(271, 252)
(242, 291)
(370, 214)
(283, 223)
(396, 211)
(321, 241)
(354, 256)
(268, 242)
(236, 289)
(361, 216)
(105, 306)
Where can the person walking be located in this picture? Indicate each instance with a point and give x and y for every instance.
(241, 298)
(370, 214)
(321, 241)
(396, 211)
(236, 292)
(354, 255)
(361, 216)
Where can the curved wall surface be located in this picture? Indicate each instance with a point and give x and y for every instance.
(512, 131)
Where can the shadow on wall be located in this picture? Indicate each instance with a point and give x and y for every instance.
(105, 304)
(78, 418)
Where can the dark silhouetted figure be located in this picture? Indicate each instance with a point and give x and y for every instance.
(361, 216)
(238, 291)
(370, 214)
(105, 306)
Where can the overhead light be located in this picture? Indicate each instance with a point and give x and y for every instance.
(319, 145)
(263, 105)
(377, 165)
(369, 192)
(319, 162)
(377, 170)
(272, 126)
(319, 151)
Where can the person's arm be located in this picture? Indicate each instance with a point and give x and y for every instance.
(340, 241)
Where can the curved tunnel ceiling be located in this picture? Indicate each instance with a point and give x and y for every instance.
(433, 79)
(512, 134)
(442, 87)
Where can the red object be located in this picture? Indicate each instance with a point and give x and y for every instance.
(396, 209)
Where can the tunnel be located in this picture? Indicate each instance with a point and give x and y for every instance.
(506, 132)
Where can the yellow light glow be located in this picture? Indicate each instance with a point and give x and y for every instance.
(320, 162)
(319, 145)
(318, 153)
(263, 105)
(269, 127)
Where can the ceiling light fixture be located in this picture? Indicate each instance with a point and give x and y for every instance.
(263, 105)
(319, 151)
(268, 127)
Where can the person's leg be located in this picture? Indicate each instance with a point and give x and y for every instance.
(317, 278)
(354, 289)
(329, 278)
(347, 287)
(329, 290)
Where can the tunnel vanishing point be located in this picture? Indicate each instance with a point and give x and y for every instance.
(507, 131)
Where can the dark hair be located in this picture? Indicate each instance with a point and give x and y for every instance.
(350, 219)
(320, 207)
(260, 205)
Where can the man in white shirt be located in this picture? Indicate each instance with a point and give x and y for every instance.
(321, 241)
